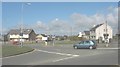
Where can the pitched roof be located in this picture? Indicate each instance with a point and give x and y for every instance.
(41, 35)
(44, 35)
(93, 29)
(18, 31)
(87, 32)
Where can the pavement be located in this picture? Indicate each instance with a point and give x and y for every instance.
(65, 55)
(113, 44)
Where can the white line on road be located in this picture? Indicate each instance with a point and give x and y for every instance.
(56, 53)
(65, 58)
(70, 55)
(108, 48)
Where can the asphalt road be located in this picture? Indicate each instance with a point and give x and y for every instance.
(64, 55)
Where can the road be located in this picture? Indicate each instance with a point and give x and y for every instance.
(64, 55)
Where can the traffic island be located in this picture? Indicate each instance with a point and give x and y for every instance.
(14, 50)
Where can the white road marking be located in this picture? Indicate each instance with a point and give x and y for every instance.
(56, 53)
(73, 56)
(64, 59)
(108, 48)
(70, 55)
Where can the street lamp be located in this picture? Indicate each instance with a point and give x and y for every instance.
(21, 29)
(71, 30)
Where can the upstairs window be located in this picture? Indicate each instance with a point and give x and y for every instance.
(105, 30)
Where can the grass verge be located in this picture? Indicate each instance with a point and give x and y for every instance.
(14, 50)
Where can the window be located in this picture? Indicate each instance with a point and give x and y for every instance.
(91, 36)
(87, 42)
(91, 42)
(104, 30)
(81, 43)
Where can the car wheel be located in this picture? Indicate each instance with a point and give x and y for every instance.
(75, 47)
(91, 47)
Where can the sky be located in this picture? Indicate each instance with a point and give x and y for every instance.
(58, 18)
(60, 0)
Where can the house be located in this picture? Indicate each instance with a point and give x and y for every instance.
(41, 37)
(26, 35)
(101, 32)
(80, 34)
(86, 34)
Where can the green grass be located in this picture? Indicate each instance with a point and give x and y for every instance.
(63, 42)
(14, 50)
(0, 51)
(29, 42)
(66, 42)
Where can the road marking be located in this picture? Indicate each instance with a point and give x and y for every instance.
(65, 58)
(108, 48)
(73, 56)
(56, 53)
(65, 54)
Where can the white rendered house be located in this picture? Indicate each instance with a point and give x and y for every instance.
(102, 32)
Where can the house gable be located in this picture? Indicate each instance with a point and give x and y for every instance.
(101, 30)
(15, 34)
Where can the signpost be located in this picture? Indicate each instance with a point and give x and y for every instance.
(53, 37)
(21, 35)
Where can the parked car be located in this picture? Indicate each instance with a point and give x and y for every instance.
(91, 44)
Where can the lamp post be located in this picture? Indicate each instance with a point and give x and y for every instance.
(53, 36)
(21, 29)
(71, 30)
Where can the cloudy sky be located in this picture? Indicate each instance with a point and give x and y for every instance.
(59, 18)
